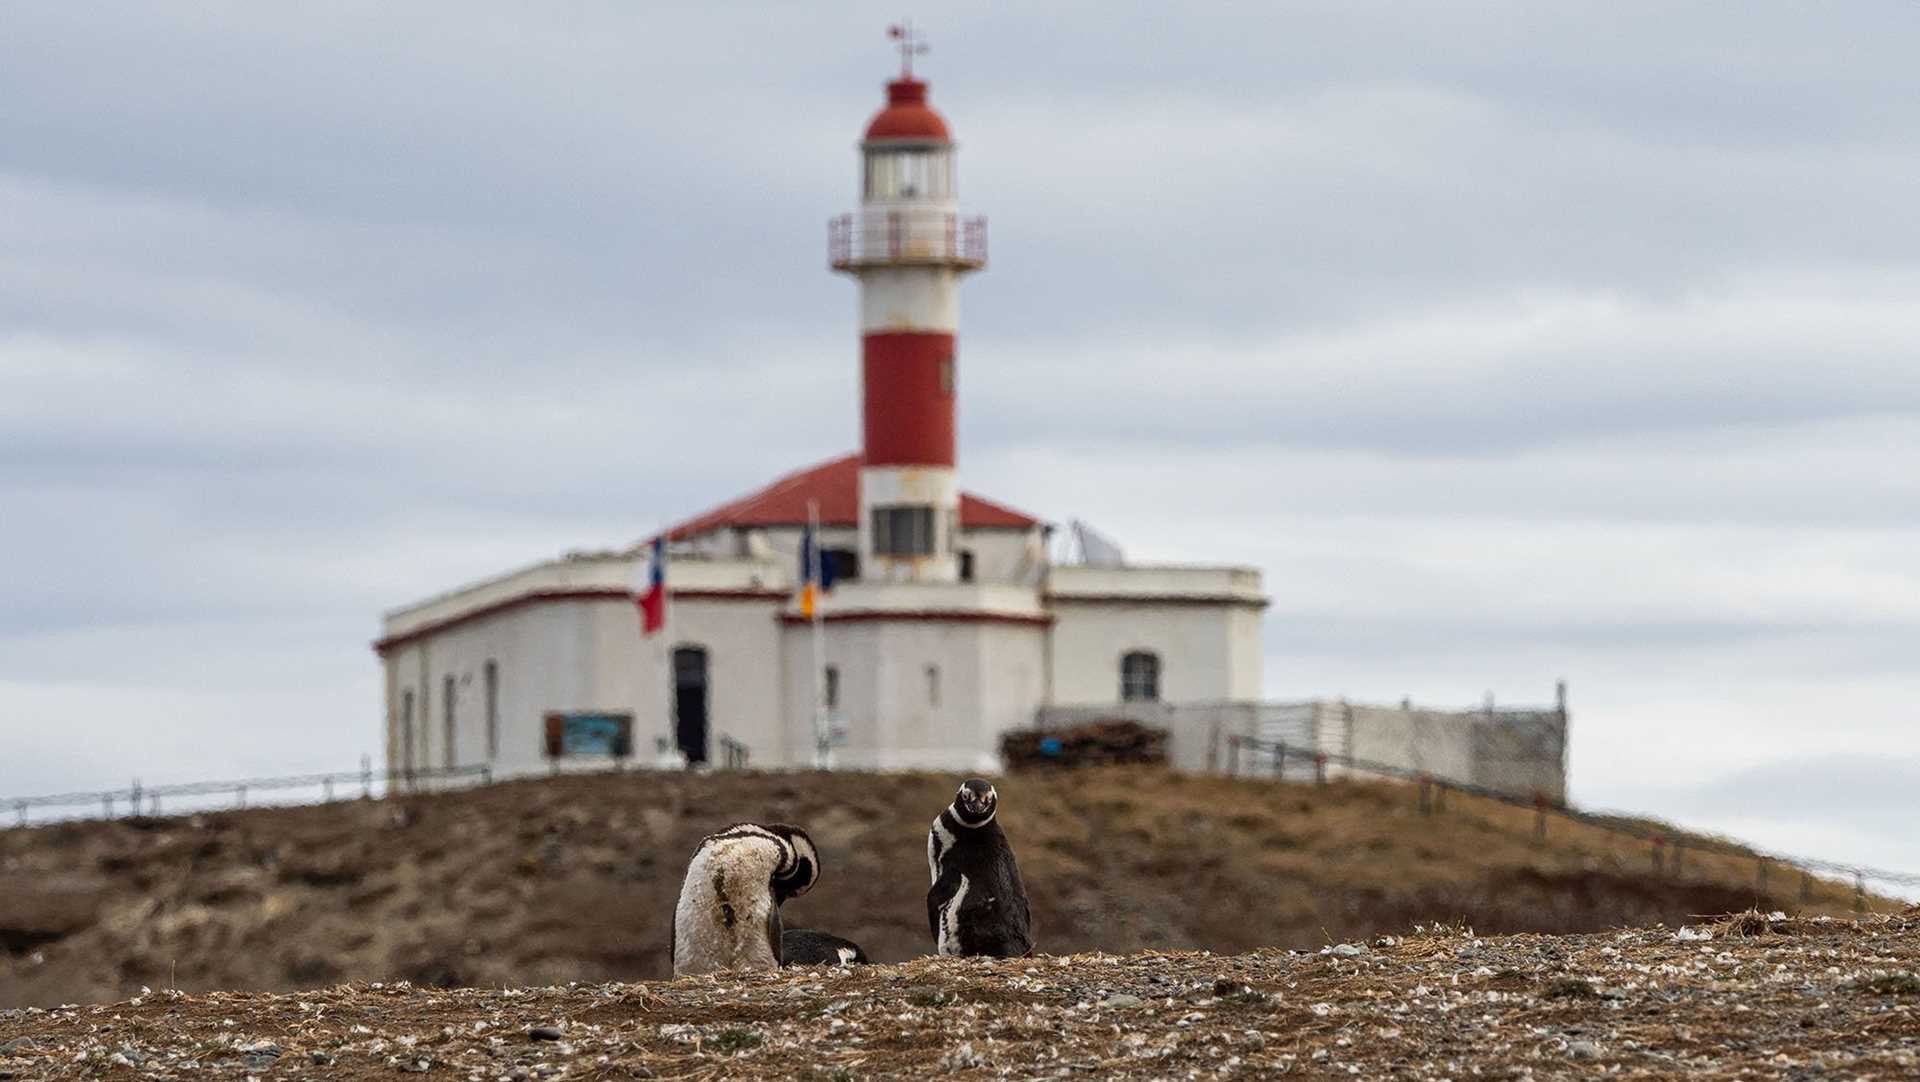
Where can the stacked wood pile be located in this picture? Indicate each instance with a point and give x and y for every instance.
(1100, 743)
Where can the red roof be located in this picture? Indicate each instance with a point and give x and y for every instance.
(835, 486)
(907, 115)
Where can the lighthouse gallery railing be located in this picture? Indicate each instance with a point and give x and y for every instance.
(881, 235)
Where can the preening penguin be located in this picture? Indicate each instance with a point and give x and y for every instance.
(805, 947)
(978, 905)
(728, 916)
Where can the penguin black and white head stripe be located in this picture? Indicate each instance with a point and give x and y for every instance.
(728, 915)
(975, 804)
(801, 868)
(977, 904)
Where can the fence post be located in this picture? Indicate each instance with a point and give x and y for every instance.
(1233, 755)
(1806, 885)
(240, 796)
(486, 774)
(20, 809)
(1280, 761)
(153, 803)
(1320, 768)
(326, 789)
(1679, 856)
(1859, 891)
(106, 802)
(133, 798)
(1760, 876)
(1426, 794)
(366, 777)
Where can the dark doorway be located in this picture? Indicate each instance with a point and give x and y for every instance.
(690, 701)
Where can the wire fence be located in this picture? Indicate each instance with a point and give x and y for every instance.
(1249, 756)
(138, 800)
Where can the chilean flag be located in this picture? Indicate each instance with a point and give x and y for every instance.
(653, 599)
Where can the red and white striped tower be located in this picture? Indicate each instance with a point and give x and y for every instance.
(908, 246)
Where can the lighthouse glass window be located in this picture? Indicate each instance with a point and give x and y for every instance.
(909, 173)
(903, 531)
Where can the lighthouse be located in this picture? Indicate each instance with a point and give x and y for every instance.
(908, 246)
(948, 623)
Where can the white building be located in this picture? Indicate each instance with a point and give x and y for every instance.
(948, 625)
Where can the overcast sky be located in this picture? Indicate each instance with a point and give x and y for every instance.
(1512, 341)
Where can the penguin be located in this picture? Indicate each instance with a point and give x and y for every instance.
(728, 916)
(804, 947)
(977, 905)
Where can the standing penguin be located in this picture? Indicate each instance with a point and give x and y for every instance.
(978, 905)
(729, 911)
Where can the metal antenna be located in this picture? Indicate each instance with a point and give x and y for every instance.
(910, 45)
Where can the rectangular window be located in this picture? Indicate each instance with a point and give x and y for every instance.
(903, 531)
(833, 686)
(1140, 677)
(446, 704)
(493, 710)
(840, 565)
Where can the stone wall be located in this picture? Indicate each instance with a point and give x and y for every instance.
(1517, 751)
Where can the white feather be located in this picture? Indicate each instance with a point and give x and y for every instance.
(949, 942)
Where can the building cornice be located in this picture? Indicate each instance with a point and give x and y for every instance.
(602, 593)
(923, 616)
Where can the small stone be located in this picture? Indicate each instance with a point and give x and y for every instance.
(320, 1059)
(1583, 1050)
(960, 1058)
(1121, 1001)
(1349, 950)
(545, 1033)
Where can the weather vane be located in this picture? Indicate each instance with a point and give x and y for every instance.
(911, 45)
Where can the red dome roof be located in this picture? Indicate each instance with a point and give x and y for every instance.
(907, 115)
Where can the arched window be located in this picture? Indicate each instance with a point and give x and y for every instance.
(1139, 677)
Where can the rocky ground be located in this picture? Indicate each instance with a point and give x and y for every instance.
(558, 880)
(1751, 996)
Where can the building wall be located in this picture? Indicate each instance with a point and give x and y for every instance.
(1194, 641)
(547, 656)
(988, 675)
(1005, 555)
(745, 697)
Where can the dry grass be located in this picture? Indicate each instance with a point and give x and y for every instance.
(550, 881)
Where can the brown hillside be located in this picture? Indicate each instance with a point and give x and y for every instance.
(555, 880)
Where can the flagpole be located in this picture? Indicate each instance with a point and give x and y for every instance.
(822, 741)
(665, 650)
